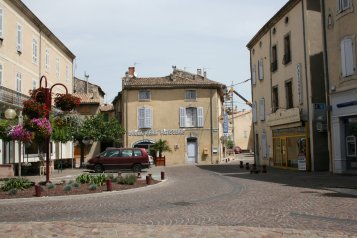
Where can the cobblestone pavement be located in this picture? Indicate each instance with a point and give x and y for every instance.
(210, 201)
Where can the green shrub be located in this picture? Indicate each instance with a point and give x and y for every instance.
(50, 186)
(12, 191)
(93, 187)
(71, 182)
(67, 188)
(83, 178)
(18, 183)
(75, 185)
(99, 180)
(128, 179)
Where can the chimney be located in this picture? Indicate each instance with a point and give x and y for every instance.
(204, 75)
(131, 71)
(199, 72)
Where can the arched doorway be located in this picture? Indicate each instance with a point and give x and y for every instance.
(143, 144)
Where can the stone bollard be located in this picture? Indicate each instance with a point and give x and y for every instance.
(247, 166)
(38, 190)
(162, 175)
(148, 180)
(241, 164)
(109, 185)
(139, 176)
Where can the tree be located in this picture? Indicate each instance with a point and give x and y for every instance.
(95, 128)
(161, 146)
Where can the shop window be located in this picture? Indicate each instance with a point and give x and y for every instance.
(351, 145)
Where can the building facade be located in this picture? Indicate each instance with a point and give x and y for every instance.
(340, 37)
(182, 108)
(28, 50)
(288, 89)
(243, 130)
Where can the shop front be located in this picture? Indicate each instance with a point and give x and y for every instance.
(290, 147)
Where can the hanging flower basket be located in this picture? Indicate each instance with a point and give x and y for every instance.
(39, 95)
(20, 133)
(66, 102)
(40, 127)
(33, 109)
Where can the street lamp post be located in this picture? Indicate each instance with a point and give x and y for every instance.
(11, 114)
(48, 102)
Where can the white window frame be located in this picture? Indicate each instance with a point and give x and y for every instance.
(343, 5)
(348, 57)
(2, 24)
(190, 94)
(254, 74)
(34, 51)
(67, 73)
(19, 37)
(260, 69)
(145, 117)
(144, 95)
(47, 59)
(191, 117)
(34, 84)
(18, 82)
(57, 68)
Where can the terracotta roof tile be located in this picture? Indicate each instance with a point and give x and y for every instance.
(106, 107)
(87, 98)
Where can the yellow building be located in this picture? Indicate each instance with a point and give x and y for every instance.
(182, 108)
(28, 50)
(243, 130)
(288, 87)
(340, 34)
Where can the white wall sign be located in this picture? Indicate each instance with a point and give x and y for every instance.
(156, 132)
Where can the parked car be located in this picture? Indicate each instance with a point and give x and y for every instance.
(119, 158)
(237, 150)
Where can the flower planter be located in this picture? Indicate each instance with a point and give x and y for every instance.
(66, 102)
(160, 161)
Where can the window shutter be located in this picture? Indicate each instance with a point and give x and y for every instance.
(253, 75)
(19, 38)
(148, 118)
(1, 74)
(264, 145)
(338, 7)
(262, 109)
(345, 4)
(141, 117)
(18, 82)
(254, 109)
(260, 69)
(347, 59)
(182, 117)
(1, 24)
(200, 117)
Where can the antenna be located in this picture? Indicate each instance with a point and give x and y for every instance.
(86, 76)
(135, 63)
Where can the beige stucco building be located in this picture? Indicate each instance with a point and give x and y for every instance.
(340, 35)
(288, 89)
(182, 108)
(28, 50)
(243, 130)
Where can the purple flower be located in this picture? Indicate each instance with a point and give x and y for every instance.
(18, 132)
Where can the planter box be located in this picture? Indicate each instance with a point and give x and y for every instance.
(160, 161)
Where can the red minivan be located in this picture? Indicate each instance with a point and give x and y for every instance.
(119, 158)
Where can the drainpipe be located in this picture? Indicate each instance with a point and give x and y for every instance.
(251, 88)
(310, 149)
(327, 85)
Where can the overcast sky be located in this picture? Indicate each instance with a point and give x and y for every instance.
(108, 36)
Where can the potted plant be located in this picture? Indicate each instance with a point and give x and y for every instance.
(66, 102)
(41, 127)
(20, 133)
(160, 146)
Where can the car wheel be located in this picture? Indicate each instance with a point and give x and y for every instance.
(137, 168)
(98, 168)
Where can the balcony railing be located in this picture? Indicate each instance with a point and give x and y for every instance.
(12, 97)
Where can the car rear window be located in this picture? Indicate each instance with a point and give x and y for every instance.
(137, 153)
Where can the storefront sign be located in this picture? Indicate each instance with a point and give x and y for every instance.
(302, 162)
(299, 83)
(225, 123)
(156, 132)
(284, 117)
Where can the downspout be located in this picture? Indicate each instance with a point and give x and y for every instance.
(39, 57)
(271, 97)
(307, 85)
(211, 122)
(327, 85)
(251, 88)
(126, 118)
